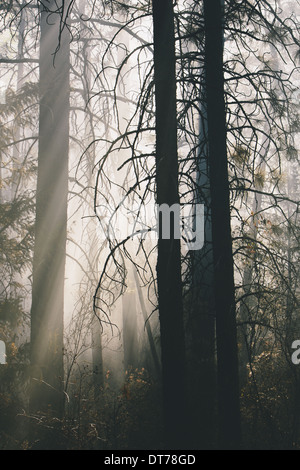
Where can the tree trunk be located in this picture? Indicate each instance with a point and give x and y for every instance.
(247, 304)
(201, 314)
(154, 355)
(169, 258)
(227, 363)
(92, 255)
(98, 376)
(51, 215)
(130, 340)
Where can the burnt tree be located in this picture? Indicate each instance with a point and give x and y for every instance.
(227, 357)
(169, 280)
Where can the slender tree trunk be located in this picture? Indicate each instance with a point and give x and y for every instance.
(155, 358)
(98, 376)
(227, 367)
(17, 151)
(92, 255)
(51, 215)
(130, 342)
(247, 303)
(169, 258)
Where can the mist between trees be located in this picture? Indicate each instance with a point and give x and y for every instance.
(115, 334)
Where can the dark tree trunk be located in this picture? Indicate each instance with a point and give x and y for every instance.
(169, 258)
(201, 312)
(227, 368)
(51, 215)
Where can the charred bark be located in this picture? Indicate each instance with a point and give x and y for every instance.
(169, 258)
(227, 356)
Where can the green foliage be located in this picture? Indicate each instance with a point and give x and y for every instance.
(10, 310)
(17, 112)
(16, 233)
(17, 205)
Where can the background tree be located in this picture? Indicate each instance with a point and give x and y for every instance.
(51, 213)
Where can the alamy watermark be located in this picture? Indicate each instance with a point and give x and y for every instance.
(2, 353)
(185, 222)
(296, 354)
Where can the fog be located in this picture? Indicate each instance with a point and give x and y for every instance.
(82, 362)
